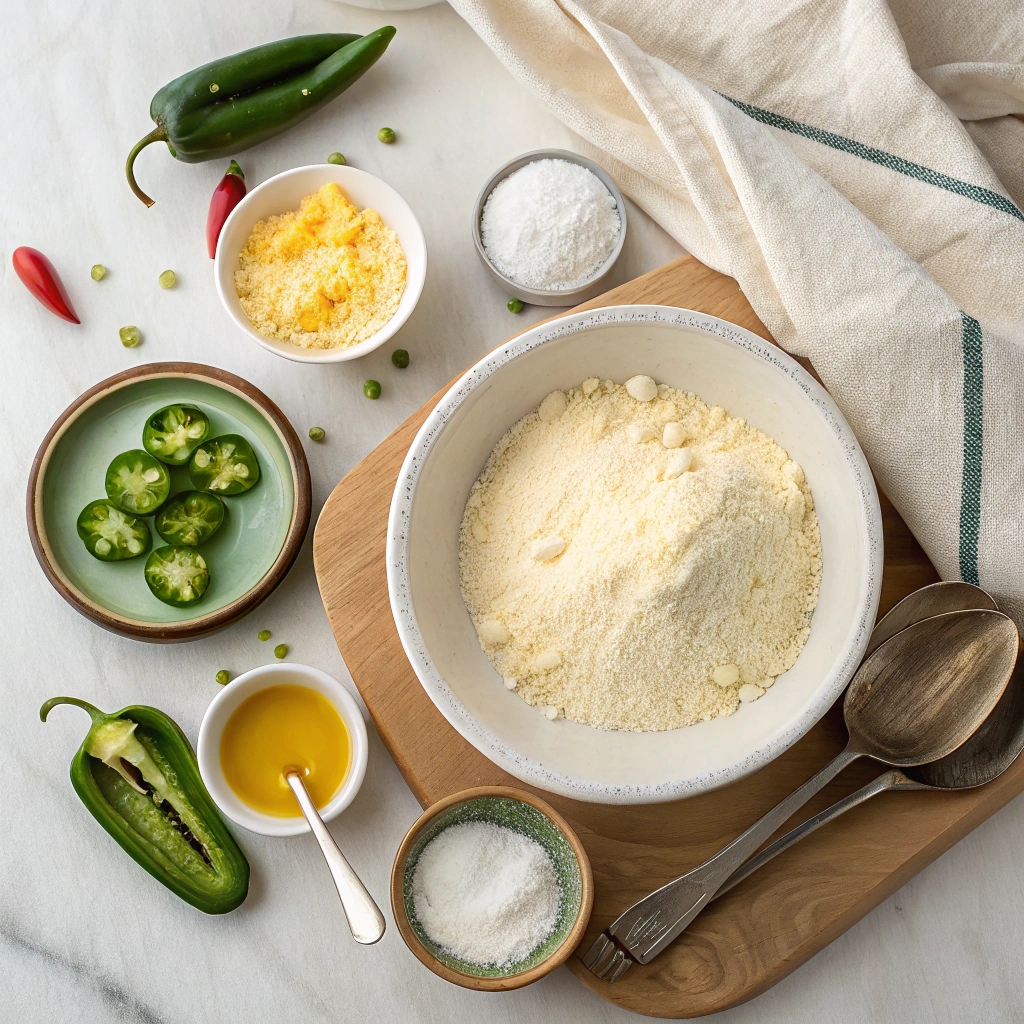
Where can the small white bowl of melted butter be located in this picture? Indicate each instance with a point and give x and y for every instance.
(279, 717)
(739, 449)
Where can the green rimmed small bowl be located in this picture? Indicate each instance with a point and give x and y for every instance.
(250, 554)
(533, 817)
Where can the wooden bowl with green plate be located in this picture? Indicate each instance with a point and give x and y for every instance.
(248, 556)
(524, 813)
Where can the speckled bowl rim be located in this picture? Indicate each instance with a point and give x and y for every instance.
(525, 768)
(550, 296)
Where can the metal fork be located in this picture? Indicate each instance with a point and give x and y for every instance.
(646, 928)
(610, 962)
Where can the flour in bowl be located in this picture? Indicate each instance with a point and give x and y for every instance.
(635, 559)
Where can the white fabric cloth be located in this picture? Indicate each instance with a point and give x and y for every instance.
(813, 150)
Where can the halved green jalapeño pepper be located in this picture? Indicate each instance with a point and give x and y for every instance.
(137, 774)
(233, 103)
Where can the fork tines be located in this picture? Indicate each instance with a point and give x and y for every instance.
(605, 959)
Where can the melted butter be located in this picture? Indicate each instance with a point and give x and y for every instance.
(282, 727)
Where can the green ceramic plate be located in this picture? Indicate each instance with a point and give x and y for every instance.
(529, 821)
(248, 556)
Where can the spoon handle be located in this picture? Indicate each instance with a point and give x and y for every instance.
(650, 925)
(894, 779)
(365, 920)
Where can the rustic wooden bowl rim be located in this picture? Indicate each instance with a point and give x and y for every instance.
(557, 957)
(188, 629)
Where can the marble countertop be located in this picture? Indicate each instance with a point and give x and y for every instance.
(85, 935)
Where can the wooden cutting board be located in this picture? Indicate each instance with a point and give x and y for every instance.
(771, 923)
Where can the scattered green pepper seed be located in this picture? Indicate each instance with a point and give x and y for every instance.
(168, 279)
(371, 389)
(263, 634)
(280, 651)
(400, 358)
(317, 433)
(336, 158)
(223, 677)
(98, 272)
(386, 135)
(515, 305)
(130, 336)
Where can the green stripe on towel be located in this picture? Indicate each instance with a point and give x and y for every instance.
(879, 156)
(970, 489)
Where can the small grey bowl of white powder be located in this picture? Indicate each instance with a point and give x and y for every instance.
(491, 889)
(549, 226)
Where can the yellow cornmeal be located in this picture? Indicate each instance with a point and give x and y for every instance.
(326, 276)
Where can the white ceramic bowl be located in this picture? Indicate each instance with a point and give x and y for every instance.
(282, 194)
(219, 711)
(690, 351)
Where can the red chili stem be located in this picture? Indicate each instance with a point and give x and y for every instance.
(226, 196)
(39, 277)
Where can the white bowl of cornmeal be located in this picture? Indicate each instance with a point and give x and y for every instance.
(634, 595)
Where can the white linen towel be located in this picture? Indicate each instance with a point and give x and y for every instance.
(814, 151)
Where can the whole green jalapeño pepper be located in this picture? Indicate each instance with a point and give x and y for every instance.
(233, 103)
(137, 774)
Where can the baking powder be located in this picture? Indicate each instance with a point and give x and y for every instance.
(550, 225)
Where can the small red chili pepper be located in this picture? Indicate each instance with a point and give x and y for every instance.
(39, 277)
(226, 196)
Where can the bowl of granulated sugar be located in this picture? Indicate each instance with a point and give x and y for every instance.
(491, 889)
(549, 226)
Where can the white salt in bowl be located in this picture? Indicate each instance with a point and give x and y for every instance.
(723, 364)
(282, 194)
(527, 815)
(594, 284)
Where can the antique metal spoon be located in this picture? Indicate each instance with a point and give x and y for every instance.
(365, 920)
(936, 598)
(914, 700)
(985, 756)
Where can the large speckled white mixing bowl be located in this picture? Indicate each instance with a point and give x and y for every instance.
(723, 364)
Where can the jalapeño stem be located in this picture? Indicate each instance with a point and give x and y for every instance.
(158, 134)
(94, 713)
